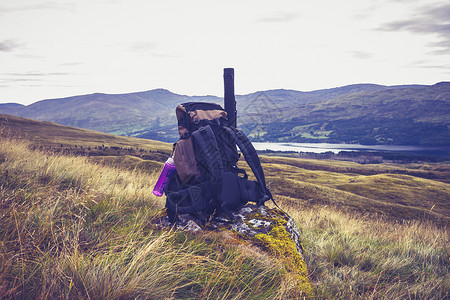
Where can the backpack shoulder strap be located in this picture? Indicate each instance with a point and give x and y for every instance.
(252, 159)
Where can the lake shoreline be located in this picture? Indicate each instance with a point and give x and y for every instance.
(355, 152)
(336, 148)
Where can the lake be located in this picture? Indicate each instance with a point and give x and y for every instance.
(336, 148)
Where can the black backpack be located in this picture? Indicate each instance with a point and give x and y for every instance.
(208, 179)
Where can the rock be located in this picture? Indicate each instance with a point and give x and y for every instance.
(268, 228)
(250, 221)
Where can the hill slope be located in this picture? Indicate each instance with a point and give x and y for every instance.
(70, 226)
(361, 113)
(58, 138)
(409, 191)
(117, 114)
(408, 115)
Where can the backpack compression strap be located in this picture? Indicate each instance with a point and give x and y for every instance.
(207, 154)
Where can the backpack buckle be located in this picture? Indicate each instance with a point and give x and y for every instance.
(202, 130)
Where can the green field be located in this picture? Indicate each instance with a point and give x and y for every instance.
(78, 224)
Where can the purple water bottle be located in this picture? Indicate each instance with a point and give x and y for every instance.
(164, 177)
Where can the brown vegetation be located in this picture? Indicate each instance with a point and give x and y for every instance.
(75, 226)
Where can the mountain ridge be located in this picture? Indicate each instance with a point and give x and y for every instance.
(358, 113)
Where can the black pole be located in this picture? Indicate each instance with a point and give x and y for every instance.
(229, 99)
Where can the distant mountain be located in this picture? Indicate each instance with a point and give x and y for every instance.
(367, 114)
(360, 113)
(10, 108)
(120, 114)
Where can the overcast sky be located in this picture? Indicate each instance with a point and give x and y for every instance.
(52, 49)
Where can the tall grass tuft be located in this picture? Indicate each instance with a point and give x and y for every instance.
(358, 257)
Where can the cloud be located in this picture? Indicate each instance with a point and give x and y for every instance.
(23, 79)
(69, 64)
(6, 78)
(429, 20)
(9, 45)
(149, 48)
(426, 64)
(48, 5)
(143, 46)
(37, 74)
(361, 54)
(278, 17)
(442, 45)
(420, 25)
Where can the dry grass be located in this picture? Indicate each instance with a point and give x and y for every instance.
(48, 134)
(376, 189)
(353, 257)
(74, 228)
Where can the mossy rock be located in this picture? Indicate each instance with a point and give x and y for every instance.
(270, 229)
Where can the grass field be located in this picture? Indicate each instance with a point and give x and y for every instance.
(76, 226)
(396, 192)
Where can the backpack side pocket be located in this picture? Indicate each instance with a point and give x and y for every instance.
(185, 163)
(250, 190)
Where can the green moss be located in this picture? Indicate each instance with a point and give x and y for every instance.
(255, 216)
(280, 244)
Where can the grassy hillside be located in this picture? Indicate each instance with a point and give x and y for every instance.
(391, 191)
(49, 134)
(72, 227)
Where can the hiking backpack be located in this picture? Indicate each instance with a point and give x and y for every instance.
(208, 179)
